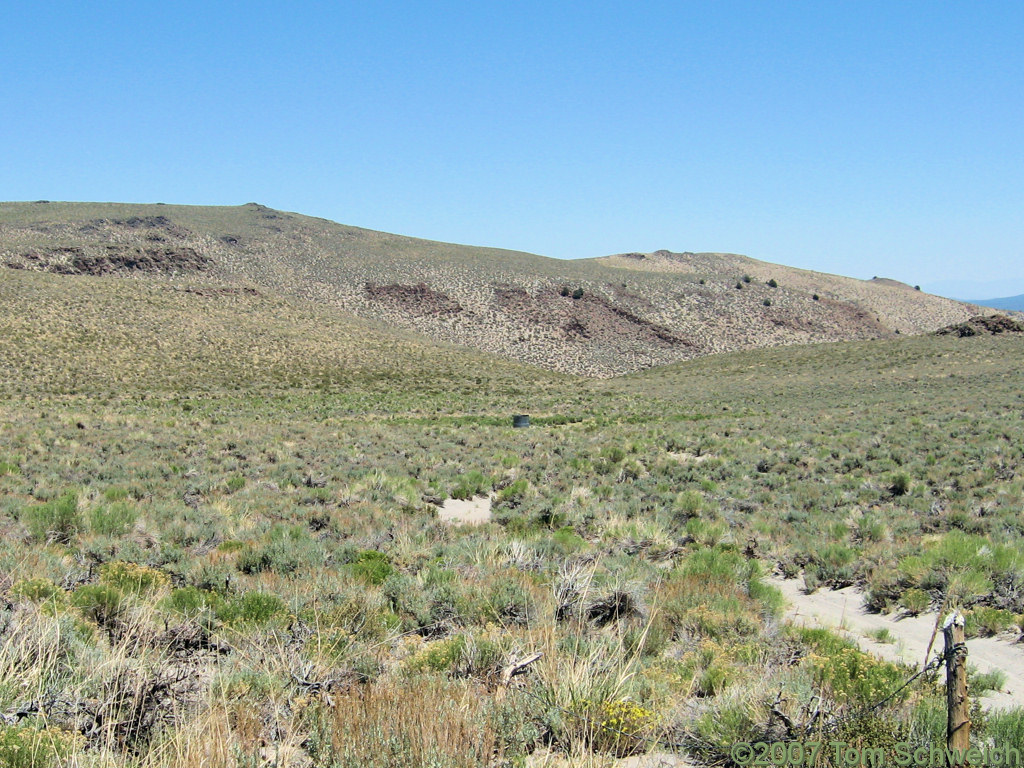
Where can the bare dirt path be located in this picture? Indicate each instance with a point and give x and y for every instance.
(843, 610)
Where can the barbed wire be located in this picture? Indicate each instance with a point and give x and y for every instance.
(935, 664)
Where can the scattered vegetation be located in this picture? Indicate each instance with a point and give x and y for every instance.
(236, 559)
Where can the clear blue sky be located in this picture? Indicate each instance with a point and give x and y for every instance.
(863, 138)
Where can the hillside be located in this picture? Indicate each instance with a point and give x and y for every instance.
(173, 337)
(597, 317)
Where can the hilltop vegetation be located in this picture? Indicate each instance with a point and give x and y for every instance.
(596, 317)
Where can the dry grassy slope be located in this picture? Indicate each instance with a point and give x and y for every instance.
(113, 335)
(503, 302)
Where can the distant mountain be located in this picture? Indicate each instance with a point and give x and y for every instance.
(596, 317)
(1013, 303)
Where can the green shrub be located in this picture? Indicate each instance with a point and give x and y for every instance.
(289, 551)
(30, 746)
(505, 602)
(988, 621)
(619, 727)
(372, 567)
(565, 540)
(191, 601)
(856, 678)
(132, 578)
(471, 484)
(713, 680)
(834, 564)
(512, 494)
(914, 601)
(439, 656)
(57, 520)
(37, 590)
(113, 520)
(251, 608)
(687, 505)
(251, 561)
(101, 603)
(614, 454)
(115, 493)
(980, 682)
(1005, 728)
(900, 484)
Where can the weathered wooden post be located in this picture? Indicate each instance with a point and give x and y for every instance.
(958, 706)
(516, 667)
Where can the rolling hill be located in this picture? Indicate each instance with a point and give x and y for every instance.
(597, 317)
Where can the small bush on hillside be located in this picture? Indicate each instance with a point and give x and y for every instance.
(115, 493)
(102, 603)
(190, 601)
(372, 567)
(619, 727)
(112, 520)
(857, 679)
(57, 520)
(987, 621)
(251, 608)
(687, 505)
(471, 484)
(132, 578)
(900, 484)
(915, 601)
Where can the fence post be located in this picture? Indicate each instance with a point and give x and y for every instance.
(958, 721)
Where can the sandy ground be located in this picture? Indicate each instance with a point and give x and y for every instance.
(843, 609)
(470, 511)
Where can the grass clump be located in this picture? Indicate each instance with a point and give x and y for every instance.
(410, 724)
(58, 520)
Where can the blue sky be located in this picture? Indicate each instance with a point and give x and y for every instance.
(862, 138)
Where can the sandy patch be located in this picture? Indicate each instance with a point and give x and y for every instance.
(843, 609)
(466, 511)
